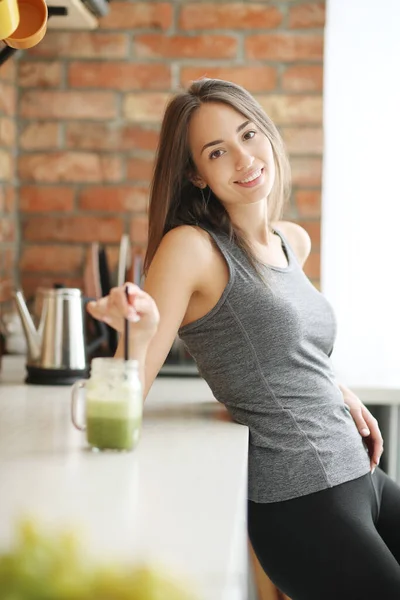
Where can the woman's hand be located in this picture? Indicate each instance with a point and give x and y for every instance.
(366, 424)
(139, 309)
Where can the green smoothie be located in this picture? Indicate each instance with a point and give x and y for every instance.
(111, 425)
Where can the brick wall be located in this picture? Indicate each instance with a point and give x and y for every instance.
(8, 228)
(90, 106)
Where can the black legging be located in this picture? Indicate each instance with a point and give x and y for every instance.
(342, 543)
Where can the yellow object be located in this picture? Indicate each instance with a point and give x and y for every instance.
(32, 26)
(55, 566)
(9, 17)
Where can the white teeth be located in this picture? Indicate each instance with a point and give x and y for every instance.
(252, 178)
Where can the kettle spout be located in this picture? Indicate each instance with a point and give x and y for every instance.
(33, 338)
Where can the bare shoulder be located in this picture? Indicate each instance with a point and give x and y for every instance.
(297, 237)
(183, 251)
(186, 241)
(186, 235)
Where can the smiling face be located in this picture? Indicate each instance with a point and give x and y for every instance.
(232, 156)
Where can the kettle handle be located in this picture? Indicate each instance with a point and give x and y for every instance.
(100, 326)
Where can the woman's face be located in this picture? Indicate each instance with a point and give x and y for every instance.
(232, 156)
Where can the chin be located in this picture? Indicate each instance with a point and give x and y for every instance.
(259, 194)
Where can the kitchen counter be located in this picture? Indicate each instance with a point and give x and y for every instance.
(178, 500)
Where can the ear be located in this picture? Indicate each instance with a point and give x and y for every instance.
(198, 181)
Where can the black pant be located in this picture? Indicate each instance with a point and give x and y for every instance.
(342, 543)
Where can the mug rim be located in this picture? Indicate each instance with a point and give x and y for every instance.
(23, 43)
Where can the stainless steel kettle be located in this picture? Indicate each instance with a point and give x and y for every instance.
(57, 349)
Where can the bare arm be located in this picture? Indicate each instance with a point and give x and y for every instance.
(174, 275)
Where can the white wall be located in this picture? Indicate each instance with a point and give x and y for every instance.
(361, 188)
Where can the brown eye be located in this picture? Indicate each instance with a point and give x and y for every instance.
(249, 135)
(215, 154)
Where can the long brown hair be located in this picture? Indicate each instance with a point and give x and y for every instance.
(174, 199)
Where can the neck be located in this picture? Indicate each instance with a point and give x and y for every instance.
(252, 220)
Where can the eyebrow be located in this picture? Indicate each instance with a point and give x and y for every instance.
(215, 142)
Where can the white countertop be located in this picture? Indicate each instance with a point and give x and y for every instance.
(179, 499)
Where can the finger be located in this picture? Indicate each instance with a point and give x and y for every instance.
(118, 302)
(143, 305)
(360, 423)
(363, 429)
(377, 446)
(133, 289)
(378, 451)
(103, 310)
(97, 308)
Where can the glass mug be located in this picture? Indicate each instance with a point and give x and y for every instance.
(113, 404)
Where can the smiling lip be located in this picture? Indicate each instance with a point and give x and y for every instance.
(254, 181)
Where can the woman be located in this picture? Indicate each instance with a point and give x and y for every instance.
(225, 273)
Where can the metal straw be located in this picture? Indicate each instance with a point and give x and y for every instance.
(126, 330)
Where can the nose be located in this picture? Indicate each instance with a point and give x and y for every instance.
(243, 160)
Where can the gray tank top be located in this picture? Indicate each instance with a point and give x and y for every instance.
(264, 351)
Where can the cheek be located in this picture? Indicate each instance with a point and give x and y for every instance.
(217, 173)
(269, 156)
(267, 151)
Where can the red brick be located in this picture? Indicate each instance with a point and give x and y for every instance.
(307, 15)
(110, 136)
(40, 198)
(53, 259)
(8, 70)
(2, 197)
(2, 267)
(73, 229)
(6, 166)
(9, 198)
(7, 229)
(135, 137)
(8, 99)
(306, 172)
(41, 74)
(68, 105)
(313, 228)
(303, 140)
(9, 255)
(145, 107)
(31, 282)
(312, 267)
(70, 166)
(293, 109)
(303, 78)
(285, 46)
(308, 202)
(140, 169)
(119, 75)
(114, 198)
(7, 132)
(82, 44)
(181, 46)
(229, 16)
(254, 79)
(139, 229)
(7, 287)
(39, 136)
(126, 15)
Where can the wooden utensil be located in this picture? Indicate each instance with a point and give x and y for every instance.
(91, 275)
(124, 259)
